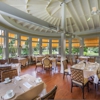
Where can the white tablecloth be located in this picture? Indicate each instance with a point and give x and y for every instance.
(89, 69)
(21, 91)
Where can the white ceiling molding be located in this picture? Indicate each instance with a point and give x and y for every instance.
(17, 14)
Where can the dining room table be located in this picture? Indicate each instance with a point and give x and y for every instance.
(25, 87)
(89, 69)
(22, 61)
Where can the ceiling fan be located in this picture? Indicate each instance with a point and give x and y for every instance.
(94, 11)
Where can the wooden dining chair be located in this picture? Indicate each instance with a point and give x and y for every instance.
(3, 61)
(65, 68)
(4, 68)
(13, 60)
(39, 63)
(8, 73)
(50, 95)
(46, 63)
(77, 79)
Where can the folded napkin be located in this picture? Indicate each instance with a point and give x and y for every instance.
(27, 85)
(18, 78)
(96, 79)
(38, 80)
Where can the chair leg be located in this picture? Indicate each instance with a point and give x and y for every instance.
(71, 86)
(63, 75)
(88, 86)
(83, 91)
(35, 67)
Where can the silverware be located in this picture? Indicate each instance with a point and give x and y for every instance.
(21, 88)
(2, 98)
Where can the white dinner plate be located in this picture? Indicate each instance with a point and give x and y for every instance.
(7, 97)
(7, 81)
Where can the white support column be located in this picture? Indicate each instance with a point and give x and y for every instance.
(40, 46)
(63, 36)
(6, 48)
(19, 44)
(63, 47)
(81, 46)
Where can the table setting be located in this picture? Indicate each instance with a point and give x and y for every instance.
(10, 89)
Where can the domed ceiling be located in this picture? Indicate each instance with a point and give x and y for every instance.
(79, 19)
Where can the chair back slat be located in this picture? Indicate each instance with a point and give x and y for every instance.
(8, 73)
(13, 60)
(77, 75)
(50, 95)
(3, 61)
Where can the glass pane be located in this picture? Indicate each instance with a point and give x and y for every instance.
(45, 40)
(45, 48)
(75, 45)
(55, 50)
(1, 41)
(75, 40)
(55, 45)
(91, 40)
(75, 51)
(35, 49)
(44, 44)
(55, 40)
(1, 52)
(11, 35)
(1, 32)
(25, 47)
(12, 47)
(35, 39)
(34, 44)
(91, 51)
(67, 51)
(24, 38)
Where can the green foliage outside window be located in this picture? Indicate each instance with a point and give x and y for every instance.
(12, 48)
(75, 51)
(45, 50)
(1, 52)
(36, 49)
(25, 48)
(55, 51)
(91, 51)
(66, 51)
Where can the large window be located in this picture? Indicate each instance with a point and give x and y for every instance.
(91, 47)
(35, 46)
(45, 46)
(1, 43)
(12, 43)
(75, 46)
(55, 46)
(24, 45)
(67, 47)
